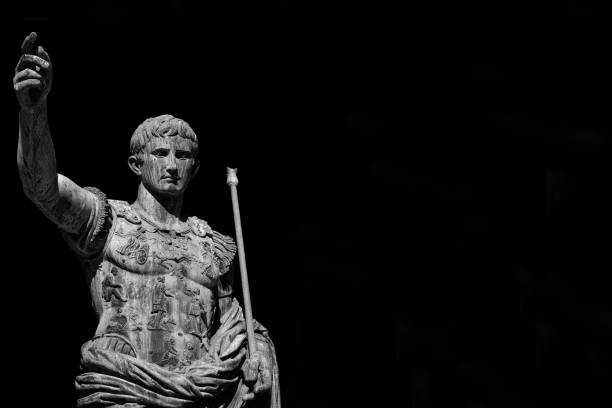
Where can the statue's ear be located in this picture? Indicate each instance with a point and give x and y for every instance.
(135, 165)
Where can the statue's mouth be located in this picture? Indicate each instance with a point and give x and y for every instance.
(171, 178)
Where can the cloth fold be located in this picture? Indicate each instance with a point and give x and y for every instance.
(114, 380)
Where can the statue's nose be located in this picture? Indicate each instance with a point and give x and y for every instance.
(171, 163)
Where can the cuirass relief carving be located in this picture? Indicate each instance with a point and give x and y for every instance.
(158, 291)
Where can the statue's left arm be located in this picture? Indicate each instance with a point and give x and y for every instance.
(257, 370)
(260, 371)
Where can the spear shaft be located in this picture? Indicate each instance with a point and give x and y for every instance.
(232, 181)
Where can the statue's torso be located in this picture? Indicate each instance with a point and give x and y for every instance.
(156, 291)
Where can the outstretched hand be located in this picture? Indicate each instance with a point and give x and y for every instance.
(33, 74)
(257, 372)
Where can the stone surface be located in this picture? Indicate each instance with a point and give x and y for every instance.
(170, 332)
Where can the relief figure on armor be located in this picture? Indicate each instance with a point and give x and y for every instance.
(170, 331)
(169, 357)
(159, 319)
(194, 314)
(189, 354)
(113, 290)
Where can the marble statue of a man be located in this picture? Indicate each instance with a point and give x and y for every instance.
(170, 332)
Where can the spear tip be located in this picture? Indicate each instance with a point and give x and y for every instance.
(232, 178)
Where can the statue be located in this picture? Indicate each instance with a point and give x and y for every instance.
(170, 332)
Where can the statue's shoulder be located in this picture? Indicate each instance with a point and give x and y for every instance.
(122, 209)
(199, 227)
(223, 246)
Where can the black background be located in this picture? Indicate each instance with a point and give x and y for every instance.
(424, 190)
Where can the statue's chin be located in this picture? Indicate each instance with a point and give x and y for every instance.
(169, 189)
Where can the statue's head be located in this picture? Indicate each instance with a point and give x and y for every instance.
(164, 153)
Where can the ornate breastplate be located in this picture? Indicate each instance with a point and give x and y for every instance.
(158, 288)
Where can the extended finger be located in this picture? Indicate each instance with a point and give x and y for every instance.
(43, 54)
(27, 84)
(250, 374)
(265, 383)
(26, 74)
(27, 47)
(248, 397)
(29, 60)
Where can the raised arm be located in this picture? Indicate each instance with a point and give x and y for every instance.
(61, 200)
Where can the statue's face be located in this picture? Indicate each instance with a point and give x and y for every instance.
(168, 165)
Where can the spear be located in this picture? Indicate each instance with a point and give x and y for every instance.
(232, 181)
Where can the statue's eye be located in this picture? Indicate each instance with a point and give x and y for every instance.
(183, 155)
(160, 152)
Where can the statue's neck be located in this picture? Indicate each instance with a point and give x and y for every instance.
(161, 209)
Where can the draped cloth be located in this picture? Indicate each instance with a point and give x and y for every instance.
(114, 380)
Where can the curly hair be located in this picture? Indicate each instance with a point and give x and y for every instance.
(161, 126)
